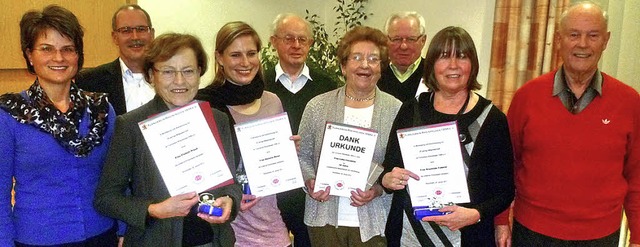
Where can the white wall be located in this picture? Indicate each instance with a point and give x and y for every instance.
(620, 59)
(203, 18)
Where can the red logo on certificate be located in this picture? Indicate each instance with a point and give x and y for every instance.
(340, 184)
(275, 181)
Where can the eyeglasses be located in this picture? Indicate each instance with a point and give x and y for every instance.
(290, 40)
(49, 50)
(130, 30)
(170, 75)
(373, 60)
(409, 40)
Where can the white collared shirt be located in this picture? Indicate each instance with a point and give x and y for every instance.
(422, 88)
(137, 91)
(285, 79)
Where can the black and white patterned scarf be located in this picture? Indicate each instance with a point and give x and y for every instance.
(33, 107)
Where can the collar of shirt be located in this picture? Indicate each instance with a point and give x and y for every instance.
(404, 76)
(137, 91)
(562, 90)
(285, 79)
(128, 77)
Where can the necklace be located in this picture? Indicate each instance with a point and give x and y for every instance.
(359, 99)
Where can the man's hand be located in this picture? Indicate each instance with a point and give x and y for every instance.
(503, 236)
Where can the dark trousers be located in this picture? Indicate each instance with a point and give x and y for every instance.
(105, 239)
(291, 205)
(523, 236)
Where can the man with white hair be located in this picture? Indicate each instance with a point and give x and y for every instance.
(576, 141)
(406, 31)
(295, 83)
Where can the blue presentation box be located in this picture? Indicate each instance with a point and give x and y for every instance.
(420, 212)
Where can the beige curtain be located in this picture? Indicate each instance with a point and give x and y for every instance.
(522, 46)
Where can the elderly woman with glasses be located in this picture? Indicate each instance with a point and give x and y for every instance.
(174, 64)
(357, 220)
(53, 141)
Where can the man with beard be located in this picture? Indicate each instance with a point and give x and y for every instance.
(123, 78)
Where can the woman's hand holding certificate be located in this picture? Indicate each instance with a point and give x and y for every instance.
(398, 178)
(360, 198)
(248, 201)
(320, 195)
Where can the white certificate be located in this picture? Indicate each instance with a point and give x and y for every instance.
(270, 158)
(185, 150)
(433, 153)
(345, 158)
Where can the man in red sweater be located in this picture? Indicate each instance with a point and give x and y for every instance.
(576, 140)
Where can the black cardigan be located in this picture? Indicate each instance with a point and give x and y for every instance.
(403, 91)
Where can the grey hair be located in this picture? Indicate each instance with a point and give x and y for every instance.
(281, 17)
(405, 15)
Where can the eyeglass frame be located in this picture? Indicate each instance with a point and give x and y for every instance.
(372, 60)
(174, 73)
(407, 40)
(127, 30)
(50, 50)
(290, 40)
